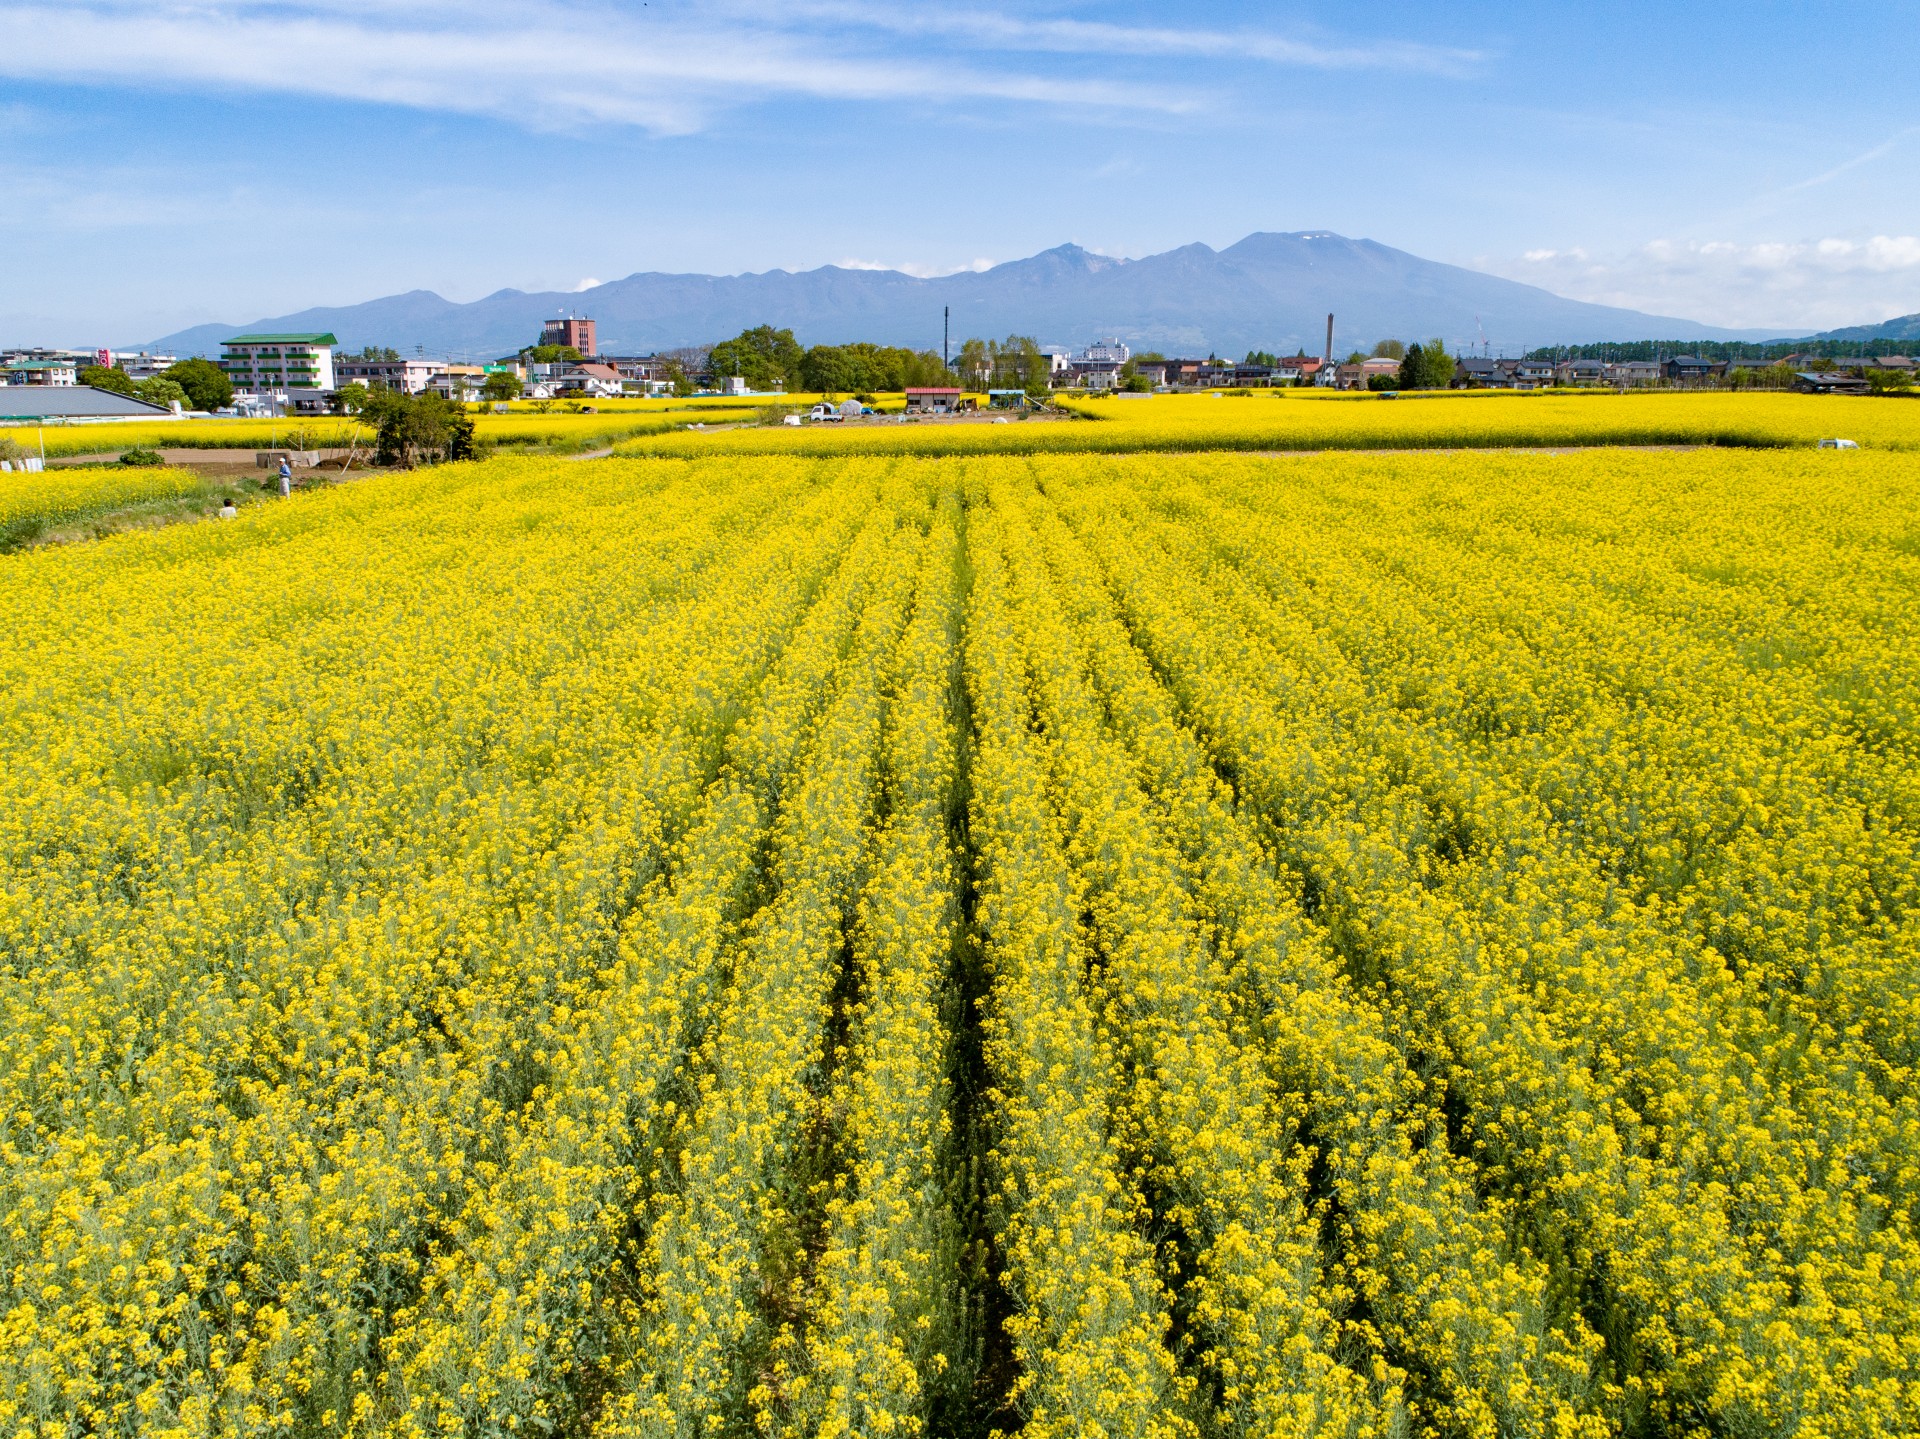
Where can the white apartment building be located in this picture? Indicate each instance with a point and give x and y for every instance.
(408, 377)
(279, 364)
(139, 364)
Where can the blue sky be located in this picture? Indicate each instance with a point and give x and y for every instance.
(171, 163)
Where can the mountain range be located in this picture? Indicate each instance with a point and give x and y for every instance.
(1905, 327)
(1269, 292)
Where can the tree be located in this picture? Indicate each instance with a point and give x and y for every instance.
(974, 364)
(865, 367)
(678, 377)
(419, 429)
(766, 358)
(1426, 367)
(206, 384)
(1015, 363)
(1389, 350)
(1262, 357)
(107, 377)
(551, 354)
(351, 398)
(159, 390)
(501, 385)
(378, 353)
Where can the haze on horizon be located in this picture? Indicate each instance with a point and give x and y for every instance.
(187, 161)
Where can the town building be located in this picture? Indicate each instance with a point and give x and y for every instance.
(647, 373)
(575, 331)
(138, 364)
(461, 383)
(278, 364)
(406, 377)
(42, 373)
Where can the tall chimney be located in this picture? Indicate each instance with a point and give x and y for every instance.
(1329, 359)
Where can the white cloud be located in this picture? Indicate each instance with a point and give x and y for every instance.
(552, 65)
(918, 270)
(1802, 285)
(587, 284)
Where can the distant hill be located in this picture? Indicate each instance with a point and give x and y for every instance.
(1269, 292)
(1906, 327)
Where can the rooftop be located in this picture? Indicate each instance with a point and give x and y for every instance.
(80, 402)
(317, 339)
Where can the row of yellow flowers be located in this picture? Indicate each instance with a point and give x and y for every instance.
(1741, 1191)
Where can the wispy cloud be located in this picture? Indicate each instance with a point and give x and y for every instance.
(552, 65)
(1865, 157)
(1806, 284)
(996, 30)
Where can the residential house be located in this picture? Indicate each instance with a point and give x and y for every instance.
(1470, 372)
(53, 374)
(1694, 372)
(1585, 373)
(1898, 364)
(461, 383)
(1532, 374)
(1630, 374)
(932, 399)
(595, 381)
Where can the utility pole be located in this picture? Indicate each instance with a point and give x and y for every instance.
(946, 319)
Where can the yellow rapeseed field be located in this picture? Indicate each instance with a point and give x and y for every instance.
(559, 428)
(1160, 944)
(1286, 420)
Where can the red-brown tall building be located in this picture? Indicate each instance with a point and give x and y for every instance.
(578, 333)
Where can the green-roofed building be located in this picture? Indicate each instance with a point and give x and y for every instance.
(283, 364)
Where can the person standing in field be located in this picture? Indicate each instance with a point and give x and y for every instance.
(286, 477)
